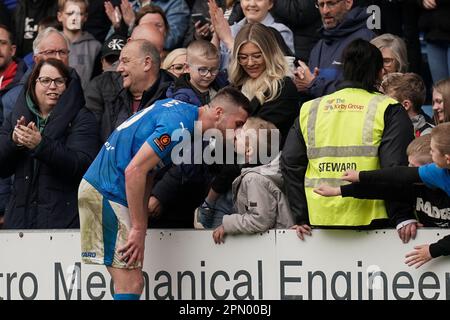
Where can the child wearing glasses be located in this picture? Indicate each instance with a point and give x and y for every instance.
(199, 84)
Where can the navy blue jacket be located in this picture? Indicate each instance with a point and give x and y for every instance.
(327, 53)
(5, 184)
(46, 179)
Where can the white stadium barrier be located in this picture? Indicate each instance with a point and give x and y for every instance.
(186, 264)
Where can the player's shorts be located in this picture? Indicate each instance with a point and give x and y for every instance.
(104, 227)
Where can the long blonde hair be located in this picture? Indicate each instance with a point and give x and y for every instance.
(267, 86)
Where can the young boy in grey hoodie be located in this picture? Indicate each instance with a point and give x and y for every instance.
(258, 198)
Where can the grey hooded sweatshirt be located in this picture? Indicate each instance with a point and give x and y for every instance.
(82, 56)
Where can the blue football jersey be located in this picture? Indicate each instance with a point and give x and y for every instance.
(154, 125)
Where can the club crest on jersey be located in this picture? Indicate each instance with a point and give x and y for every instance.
(163, 141)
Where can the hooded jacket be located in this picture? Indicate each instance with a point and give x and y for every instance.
(183, 90)
(259, 201)
(46, 179)
(327, 53)
(83, 55)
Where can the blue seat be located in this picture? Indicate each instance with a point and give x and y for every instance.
(428, 109)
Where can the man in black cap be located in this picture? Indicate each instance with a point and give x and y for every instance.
(111, 52)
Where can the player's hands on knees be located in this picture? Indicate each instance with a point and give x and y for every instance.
(133, 251)
(302, 229)
(351, 176)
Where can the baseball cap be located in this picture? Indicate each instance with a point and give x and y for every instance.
(113, 45)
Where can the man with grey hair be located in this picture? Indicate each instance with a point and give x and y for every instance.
(143, 84)
(49, 43)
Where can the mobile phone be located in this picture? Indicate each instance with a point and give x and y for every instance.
(199, 17)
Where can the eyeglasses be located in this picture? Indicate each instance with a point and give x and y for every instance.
(329, 4)
(203, 71)
(178, 67)
(245, 58)
(54, 53)
(388, 61)
(47, 81)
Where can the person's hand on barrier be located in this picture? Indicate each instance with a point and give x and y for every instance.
(409, 231)
(351, 176)
(327, 191)
(154, 207)
(133, 251)
(219, 235)
(419, 256)
(302, 229)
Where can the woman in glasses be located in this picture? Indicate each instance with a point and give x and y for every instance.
(259, 68)
(175, 62)
(393, 50)
(254, 12)
(47, 143)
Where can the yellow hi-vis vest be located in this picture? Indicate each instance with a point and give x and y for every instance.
(342, 131)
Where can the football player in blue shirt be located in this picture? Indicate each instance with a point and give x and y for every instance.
(114, 192)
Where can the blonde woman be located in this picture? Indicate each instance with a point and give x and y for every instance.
(175, 62)
(259, 69)
(393, 50)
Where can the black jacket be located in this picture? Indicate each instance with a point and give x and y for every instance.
(5, 184)
(436, 23)
(27, 16)
(397, 134)
(303, 18)
(182, 89)
(111, 103)
(45, 188)
(432, 205)
(282, 111)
